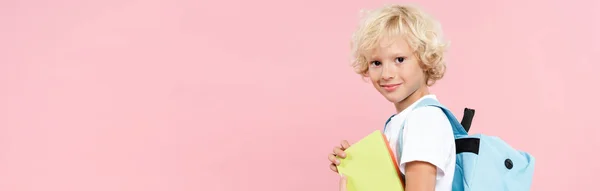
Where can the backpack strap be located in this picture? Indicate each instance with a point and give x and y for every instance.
(388, 121)
(465, 123)
(468, 115)
(457, 127)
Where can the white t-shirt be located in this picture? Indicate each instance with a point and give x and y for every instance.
(427, 136)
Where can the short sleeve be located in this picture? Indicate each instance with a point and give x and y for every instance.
(427, 137)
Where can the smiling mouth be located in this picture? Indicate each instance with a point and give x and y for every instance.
(391, 87)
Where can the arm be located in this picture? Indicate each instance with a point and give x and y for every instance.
(420, 176)
(426, 148)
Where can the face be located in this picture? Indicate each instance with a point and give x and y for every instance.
(395, 71)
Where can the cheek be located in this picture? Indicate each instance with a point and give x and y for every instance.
(375, 84)
(413, 72)
(373, 75)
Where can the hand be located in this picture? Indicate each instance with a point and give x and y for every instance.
(343, 183)
(338, 151)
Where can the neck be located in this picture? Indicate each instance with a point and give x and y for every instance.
(412, 98)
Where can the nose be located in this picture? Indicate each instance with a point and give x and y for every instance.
(388, 72)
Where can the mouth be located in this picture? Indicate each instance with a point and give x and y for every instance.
(390, 87)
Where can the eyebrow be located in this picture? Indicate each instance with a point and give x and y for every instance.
(400, 54)
(395, 55)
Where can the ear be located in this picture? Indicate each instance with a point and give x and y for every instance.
(365, 77)
(365, 74)
(428, 81)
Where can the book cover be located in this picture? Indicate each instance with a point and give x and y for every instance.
(370, 165)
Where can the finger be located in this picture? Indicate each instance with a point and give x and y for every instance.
(333, 159)
(333, 167)
(345, 144)
(339, 152)
(343, 183)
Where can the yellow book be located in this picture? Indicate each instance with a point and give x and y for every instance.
(370, 165)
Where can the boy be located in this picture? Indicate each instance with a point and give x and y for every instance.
(400, 50)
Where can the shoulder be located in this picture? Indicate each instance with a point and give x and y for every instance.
(428, 115)
(430, 121)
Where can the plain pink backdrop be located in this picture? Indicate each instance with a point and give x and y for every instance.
(182, 95)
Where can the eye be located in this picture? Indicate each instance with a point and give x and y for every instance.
(400, 59)
(375, 63)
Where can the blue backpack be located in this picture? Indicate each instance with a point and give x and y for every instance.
(482, 162)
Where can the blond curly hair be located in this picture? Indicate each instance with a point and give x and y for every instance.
(420, 30)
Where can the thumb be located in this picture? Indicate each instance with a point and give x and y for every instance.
(343, 182)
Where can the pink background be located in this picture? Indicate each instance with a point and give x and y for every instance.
(252, 95)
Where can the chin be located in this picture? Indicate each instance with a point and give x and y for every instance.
(394, 99)
(395, 96)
